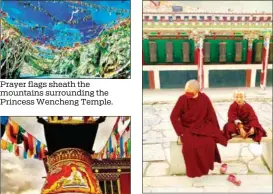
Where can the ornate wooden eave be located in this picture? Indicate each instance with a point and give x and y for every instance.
(111, 166)
(207, 34)
(110, 169)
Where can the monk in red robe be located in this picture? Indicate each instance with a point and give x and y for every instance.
(195, 121)
(242, 120)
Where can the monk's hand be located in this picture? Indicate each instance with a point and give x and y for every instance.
(251, 132)
(243, 133)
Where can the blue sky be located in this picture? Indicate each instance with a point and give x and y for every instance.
(55, 33)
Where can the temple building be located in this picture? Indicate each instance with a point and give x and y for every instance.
(72, 163)
(182, 43)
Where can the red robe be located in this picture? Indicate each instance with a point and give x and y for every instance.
(247, 116)
(195, 121)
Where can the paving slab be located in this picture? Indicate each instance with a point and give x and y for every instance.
(168, 181)
(235, 168)
(220, 180)
(153, 152)
(163, 126)
(152, 137)
(144, 166)
(157, 169)
(251, 189)
(167, 152)
(210, 182)
(146, 128)
(176, 190)
(146, 182)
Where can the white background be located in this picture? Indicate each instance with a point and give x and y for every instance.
(126, 96)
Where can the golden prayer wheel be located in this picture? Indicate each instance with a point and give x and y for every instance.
(70, 171)
(68, 162)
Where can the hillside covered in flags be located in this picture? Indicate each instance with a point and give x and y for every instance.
(85, 39)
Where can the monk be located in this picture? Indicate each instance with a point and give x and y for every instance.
(242, 120)
(195, 121)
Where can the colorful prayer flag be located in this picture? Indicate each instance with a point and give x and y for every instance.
(4, 144)
(121, 147)
(16, 150)
(115, 129)
(10, 147)
(4, 120)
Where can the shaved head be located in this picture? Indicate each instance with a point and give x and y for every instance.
(239, 97)
(239, 92)
(192, 85)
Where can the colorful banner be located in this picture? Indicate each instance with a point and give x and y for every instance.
(118, 145)
(20, 142)
(25, 145)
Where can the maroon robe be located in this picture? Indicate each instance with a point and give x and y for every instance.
(195, 121)
(247, 116)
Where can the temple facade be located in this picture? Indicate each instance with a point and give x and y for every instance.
(182, 43)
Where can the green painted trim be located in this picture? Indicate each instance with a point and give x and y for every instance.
(146, 52)
(175, 79)
(269, 78)
(230, 49)
(161, 51)
(254, 49)
(227, 78)
(145, 79)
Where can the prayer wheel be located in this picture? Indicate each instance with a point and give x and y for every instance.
(68, 161)
(222, 51)
(153, 52)
(169, 52)
(186, 52)
(70, 171)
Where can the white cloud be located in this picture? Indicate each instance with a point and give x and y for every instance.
(24, 176)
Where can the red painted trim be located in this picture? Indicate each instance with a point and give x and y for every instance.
(248, 77)
(263, 68)
(249, 56)
(248, 72)
(219, 13)
(125, 183)
(151, 79)
(214, 21)
(196, 56)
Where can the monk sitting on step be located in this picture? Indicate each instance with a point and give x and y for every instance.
(242, 120)
(195, 121)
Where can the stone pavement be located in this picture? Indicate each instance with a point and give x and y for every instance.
(218, 183)
(158, 133)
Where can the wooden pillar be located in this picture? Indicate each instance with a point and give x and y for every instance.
(265, 62)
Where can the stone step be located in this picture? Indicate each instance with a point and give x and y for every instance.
(210, 183)
(214, 189)
(164, 96)
(153, 169)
